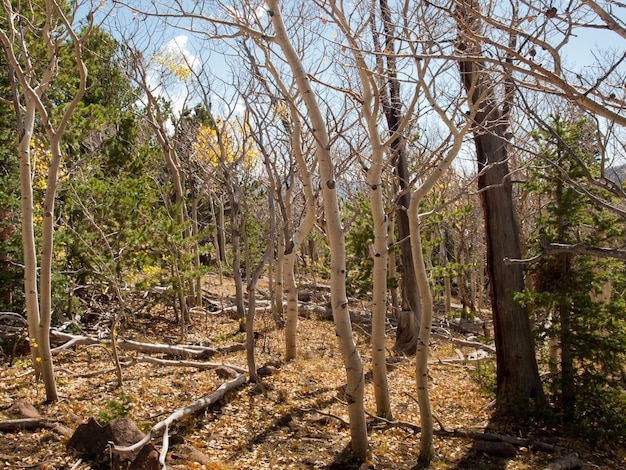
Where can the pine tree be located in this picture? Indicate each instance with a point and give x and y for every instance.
(585, 327)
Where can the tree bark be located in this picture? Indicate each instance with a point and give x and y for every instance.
(369, 110)
(33, 87)
(409, 316)
(294, 241)
(352, 360)
(28, 234)
(518, 381)
(421, 353)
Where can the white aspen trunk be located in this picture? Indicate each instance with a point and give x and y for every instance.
(236, 226)
(28, 235)
(350, 354)
(45, 279)
(250, 332)
(279, 288)
(423, 339)
(370, 111)
(392, 269)
(40, 314)
(298, 237)
(421, 356)
(291, 293)
(379, 293)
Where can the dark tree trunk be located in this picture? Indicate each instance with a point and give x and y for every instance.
(408, 321)
(518, 382)
(517, 374)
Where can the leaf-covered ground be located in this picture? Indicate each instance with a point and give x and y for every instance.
(295, 418)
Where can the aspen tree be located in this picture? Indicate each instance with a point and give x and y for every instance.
(370, 110)
(32, 84)
(350, 354)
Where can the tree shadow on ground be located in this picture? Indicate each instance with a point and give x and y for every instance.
(308, 437)
(344, 460)
(478, 460)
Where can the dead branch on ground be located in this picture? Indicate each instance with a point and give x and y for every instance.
(190, 409)
(131, 361)
(34, 423)
(192, 351)
(442, 333)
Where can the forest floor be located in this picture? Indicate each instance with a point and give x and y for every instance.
(295, 418)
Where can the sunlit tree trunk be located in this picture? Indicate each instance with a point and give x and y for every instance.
(423, 343)
(351, 357)
(33, 88)
(370, 107)
(269, 251)
(45, 280)
(28, 234)
(295, 242)
(422, 350)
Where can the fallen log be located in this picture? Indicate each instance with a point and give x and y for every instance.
(442, 333)
(165, 424)
(197, 365)
(24, 423)
(322, 312)
(569, 462)
(192, 351)
(34, 423)
(131, 361)
(12, 316)
(515, 442)
(232, 311)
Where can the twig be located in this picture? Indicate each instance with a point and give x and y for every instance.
(395, 423)
(197, 365)
(34, 423)
(128, 345)
(25, 374)
(323, 413)
(76, 465)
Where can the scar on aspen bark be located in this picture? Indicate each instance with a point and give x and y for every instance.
(330, 184)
